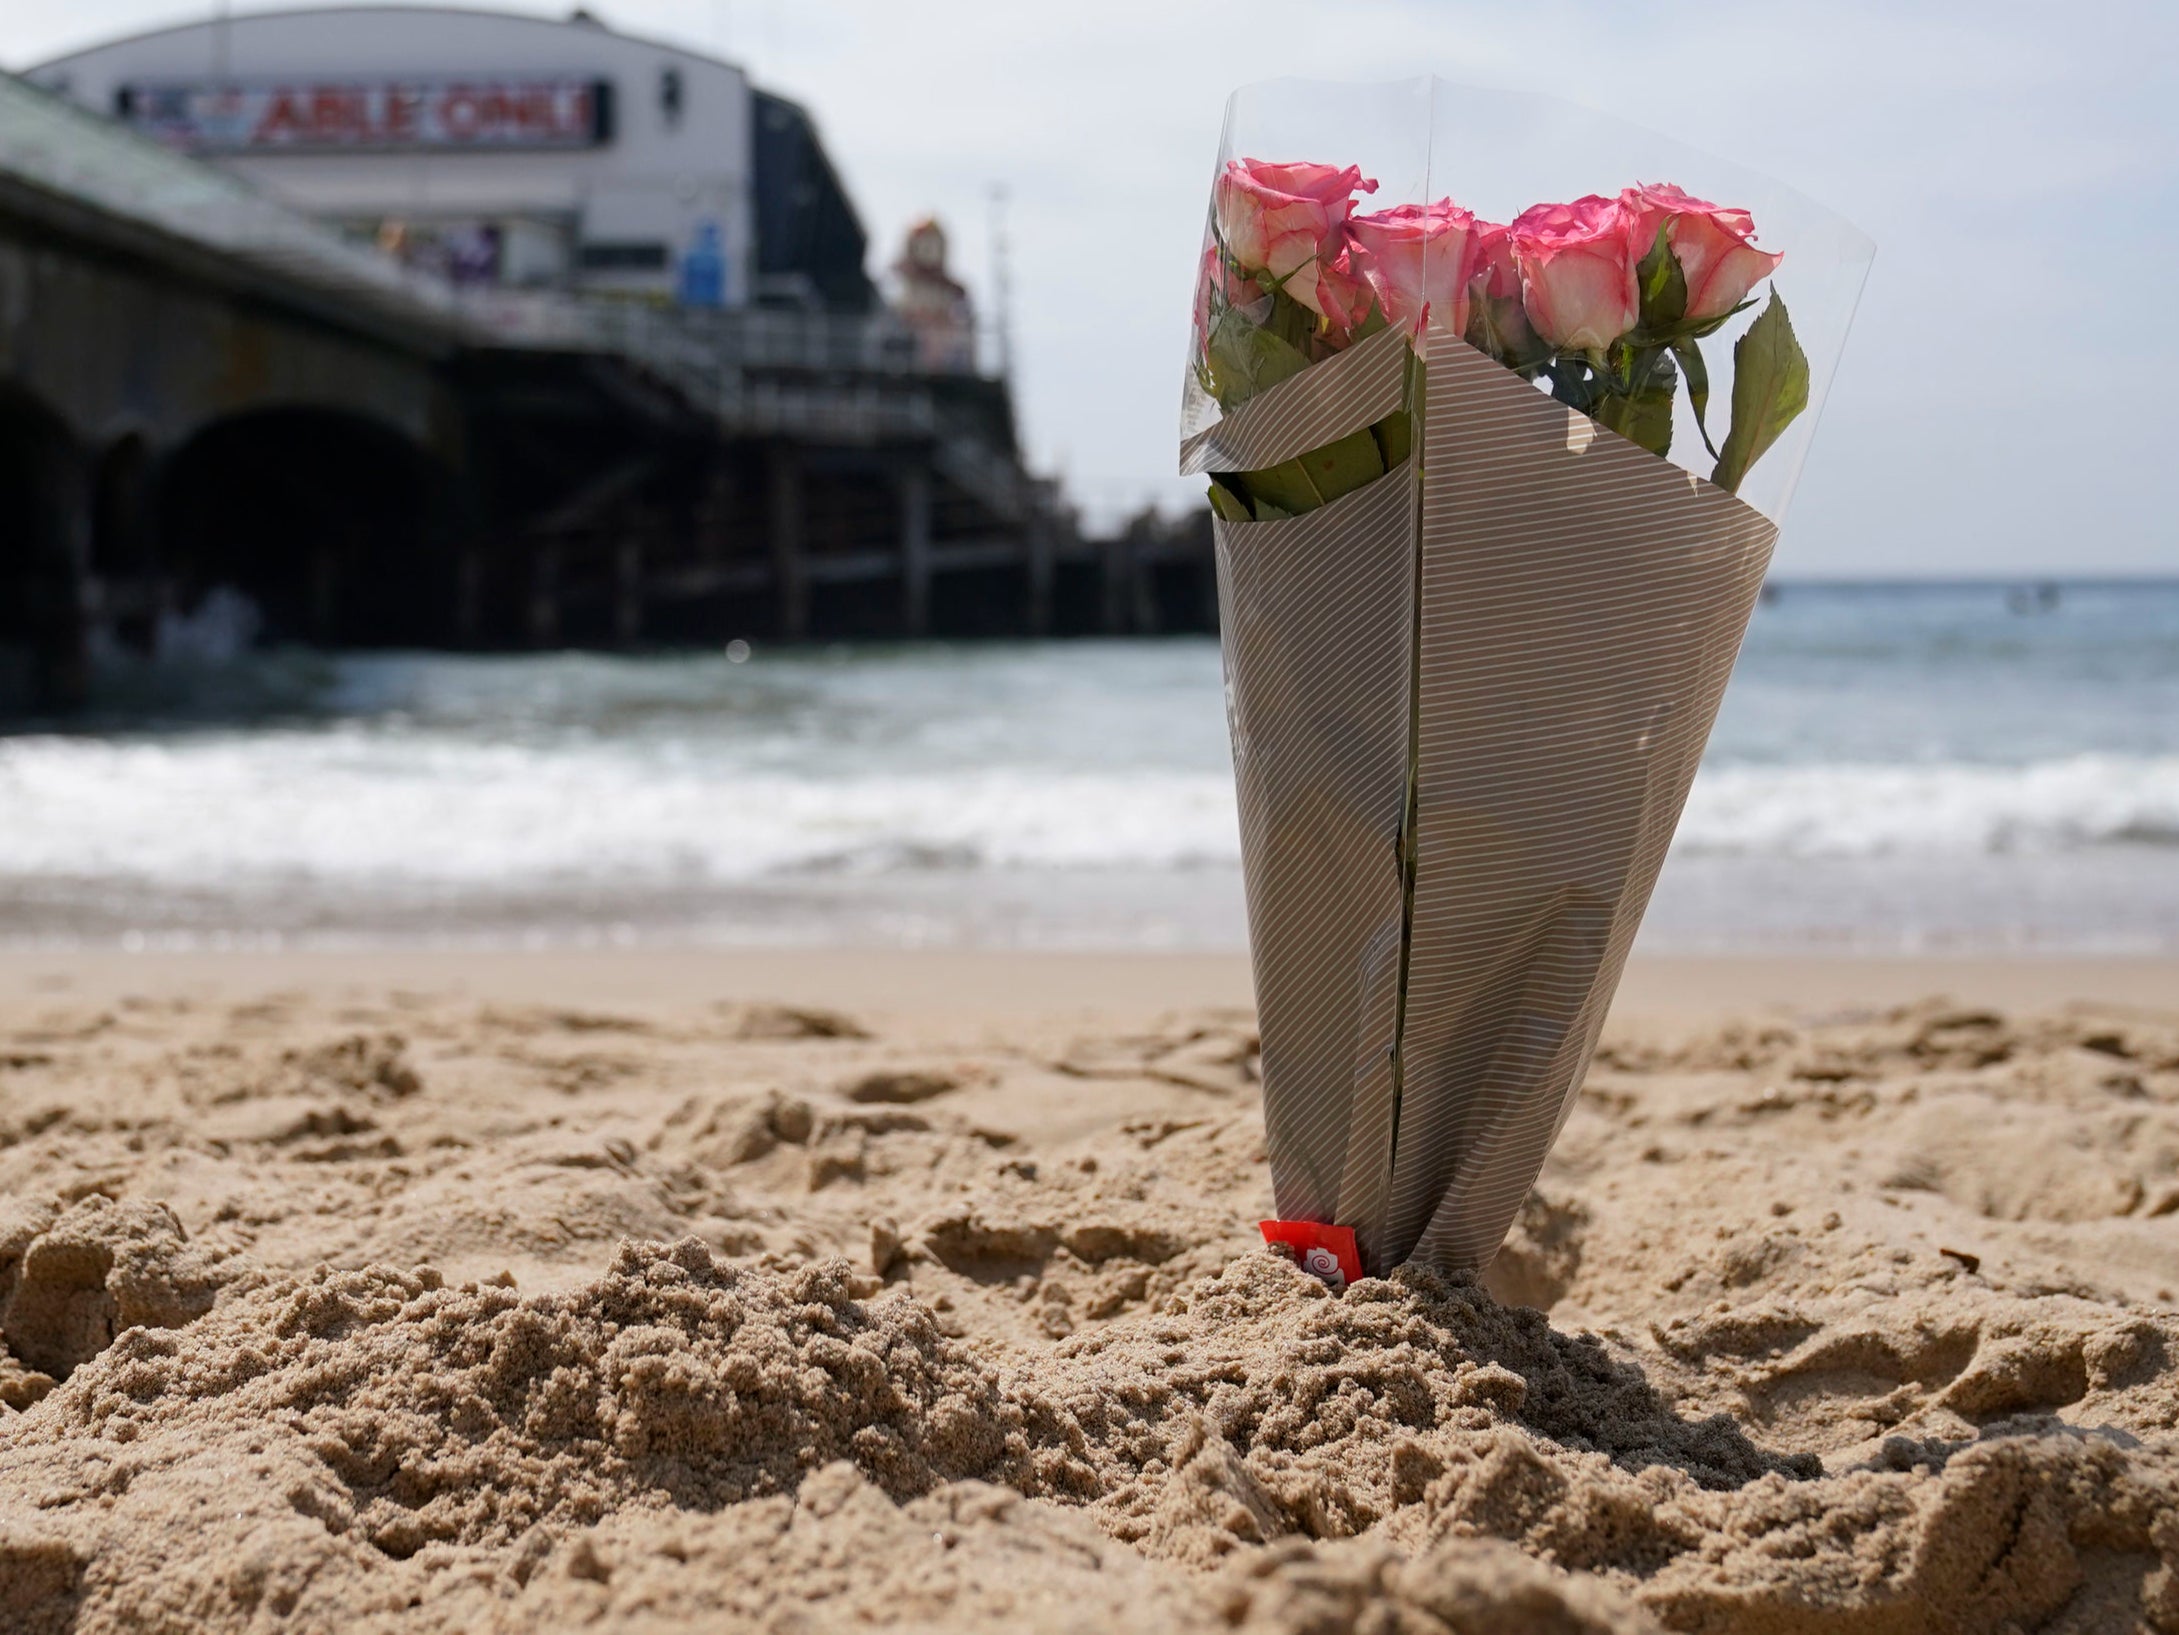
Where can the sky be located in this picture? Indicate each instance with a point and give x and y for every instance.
(2016, 164)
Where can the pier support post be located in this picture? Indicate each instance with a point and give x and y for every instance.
(1043, 564)
(1117, 560)
(45, 564)
(544, 610)
(323, 610)
(127, 590)
(790, 580)
(628, 592)
(1143, 588)
(915, 551)
(468, 595)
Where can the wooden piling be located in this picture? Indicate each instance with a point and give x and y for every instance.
(468, 595)
(544, 609)
(628, 591)
(790, 575)
(322, 613)
(1119, 602)
(1043, 572)
(915, 551)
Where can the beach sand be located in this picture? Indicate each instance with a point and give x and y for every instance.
(800, 1292)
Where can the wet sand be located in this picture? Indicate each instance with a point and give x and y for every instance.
(650, 1290)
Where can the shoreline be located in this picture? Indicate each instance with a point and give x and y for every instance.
(956, 984)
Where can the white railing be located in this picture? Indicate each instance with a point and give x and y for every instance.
(876, 343)
(743, 366)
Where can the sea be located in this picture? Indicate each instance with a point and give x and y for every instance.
(1899, 768)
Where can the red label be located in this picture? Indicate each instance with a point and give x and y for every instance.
(1323, 1251)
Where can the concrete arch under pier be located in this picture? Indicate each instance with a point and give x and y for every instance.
(338, 528)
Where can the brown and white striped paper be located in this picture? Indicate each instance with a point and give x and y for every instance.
(1344, 393)
(1581, 605)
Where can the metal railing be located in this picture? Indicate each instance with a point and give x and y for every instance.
(875, 343)
(828, 375)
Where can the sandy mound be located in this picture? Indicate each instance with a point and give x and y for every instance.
(1857, 1327)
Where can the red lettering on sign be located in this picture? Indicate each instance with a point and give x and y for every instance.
(329, 113)
(402, 107)
(510, 113)
(282, 120)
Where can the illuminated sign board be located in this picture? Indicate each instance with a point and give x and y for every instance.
(339, 116)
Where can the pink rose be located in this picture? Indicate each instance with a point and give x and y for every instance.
(1496, 320)
(1577, 272)
(1290, 221)
(1714, 247)
(1418, 259)
(1342, 293)
(1496, 273)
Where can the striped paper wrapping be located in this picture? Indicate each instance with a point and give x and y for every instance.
(1316, 612)
(1344, 393)
(1581, 605)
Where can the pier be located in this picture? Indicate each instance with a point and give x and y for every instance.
(200, 388)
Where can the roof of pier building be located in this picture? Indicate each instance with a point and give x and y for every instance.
(606, 160)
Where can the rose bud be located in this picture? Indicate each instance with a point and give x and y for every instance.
(1497, 322)
(1342, 294)
(1714, 247)
(1577, 272)
(1418, 259)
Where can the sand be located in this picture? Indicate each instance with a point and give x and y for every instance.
(394, 1293)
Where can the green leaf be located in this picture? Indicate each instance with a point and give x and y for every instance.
(1285, 487)
(1698, 387)
(1395, 438)
(1371, 323)
(1243, 360)
(1663, 285)
(1229, 500)
(1770, 388)
(1703, 328)
(1574, 384)
(1340, 468)
(1318, 477)
(1642, 416)
(1290, 321)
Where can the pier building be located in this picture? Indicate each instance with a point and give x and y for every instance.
(502, 150)
(427, 327)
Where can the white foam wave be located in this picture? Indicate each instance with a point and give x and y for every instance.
(1849, 810)
(354, 806)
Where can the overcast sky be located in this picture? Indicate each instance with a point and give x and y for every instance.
(2002, 404)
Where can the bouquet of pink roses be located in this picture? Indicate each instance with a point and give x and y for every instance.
(1605, 301)
(1480, 596)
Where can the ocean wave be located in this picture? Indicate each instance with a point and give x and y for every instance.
(1870, 810)
(355, 807)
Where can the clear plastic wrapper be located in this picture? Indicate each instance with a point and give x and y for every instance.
(1501, 403)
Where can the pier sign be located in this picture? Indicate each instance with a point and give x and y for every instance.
(319, 116)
